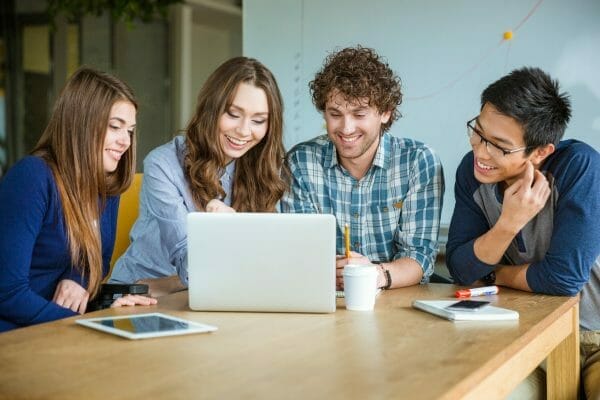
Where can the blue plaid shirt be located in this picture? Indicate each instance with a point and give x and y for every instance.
(393, 211)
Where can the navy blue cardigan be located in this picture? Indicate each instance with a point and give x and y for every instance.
(34, 254)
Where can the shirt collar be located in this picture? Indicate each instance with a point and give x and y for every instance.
(180, 149)
(228, 171)
(382, 158)
(330, 155)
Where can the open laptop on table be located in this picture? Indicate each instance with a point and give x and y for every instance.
(261, 262)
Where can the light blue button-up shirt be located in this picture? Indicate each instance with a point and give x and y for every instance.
(159, 237)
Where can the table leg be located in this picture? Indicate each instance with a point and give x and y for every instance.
(563, 375)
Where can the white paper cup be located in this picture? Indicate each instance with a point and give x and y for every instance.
(360, 286)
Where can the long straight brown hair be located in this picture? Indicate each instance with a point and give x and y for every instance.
(72, 145)
(261, 175)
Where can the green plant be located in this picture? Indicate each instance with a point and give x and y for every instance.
(123, 10)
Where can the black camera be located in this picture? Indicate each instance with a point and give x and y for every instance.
(109, 292)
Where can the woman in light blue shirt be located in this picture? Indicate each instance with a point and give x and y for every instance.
(231, 158)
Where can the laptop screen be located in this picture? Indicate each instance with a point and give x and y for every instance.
(261, 262)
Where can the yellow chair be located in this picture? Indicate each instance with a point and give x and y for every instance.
(129, 207)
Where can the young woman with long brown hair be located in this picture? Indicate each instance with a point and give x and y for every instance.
(230, 159)
(59, 205)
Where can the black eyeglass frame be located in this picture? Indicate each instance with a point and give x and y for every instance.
(505, 152)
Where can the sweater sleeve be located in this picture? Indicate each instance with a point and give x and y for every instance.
(25, 196)
(574, 245)
(467, 224)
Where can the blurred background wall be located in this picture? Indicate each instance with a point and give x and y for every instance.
(165, 61)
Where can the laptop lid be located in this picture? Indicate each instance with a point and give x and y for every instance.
(261, 262)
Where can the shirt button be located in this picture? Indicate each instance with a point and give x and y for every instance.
(385, 209)
(356, 215)
(357, 245)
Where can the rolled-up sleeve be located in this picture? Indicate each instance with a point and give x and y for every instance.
(417, 234)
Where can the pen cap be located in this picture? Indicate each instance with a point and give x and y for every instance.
(462, 293)
(478, 291)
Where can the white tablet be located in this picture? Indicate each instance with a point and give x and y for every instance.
(144, 326)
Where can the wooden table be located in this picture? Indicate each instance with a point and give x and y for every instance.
(393, 352)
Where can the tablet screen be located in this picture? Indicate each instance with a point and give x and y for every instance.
(142, 326)
(145, 324)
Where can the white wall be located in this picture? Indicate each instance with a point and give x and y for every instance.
(204, 34)
(431, 44)
(216, 37)
(140, 58)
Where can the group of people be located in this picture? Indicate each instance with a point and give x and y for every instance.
(526, 202)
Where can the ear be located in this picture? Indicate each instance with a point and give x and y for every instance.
(538, 156)
(385, 117)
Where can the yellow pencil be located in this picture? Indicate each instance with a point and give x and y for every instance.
(347, 239)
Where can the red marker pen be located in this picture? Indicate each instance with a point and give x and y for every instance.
(480, 291)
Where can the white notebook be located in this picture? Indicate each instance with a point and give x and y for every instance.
(488, 313)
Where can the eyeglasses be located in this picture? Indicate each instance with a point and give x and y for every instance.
(476, 137)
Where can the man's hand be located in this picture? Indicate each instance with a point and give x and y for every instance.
(524, 199)
(342, 261)
(218, 206)
(70, 294)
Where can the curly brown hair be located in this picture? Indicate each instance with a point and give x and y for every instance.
(358, 73)
(261, 175)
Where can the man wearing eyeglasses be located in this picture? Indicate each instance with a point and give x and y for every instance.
(528, 205)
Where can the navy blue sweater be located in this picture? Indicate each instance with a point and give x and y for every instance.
(34, 255)
(570, 248)
(572, 244)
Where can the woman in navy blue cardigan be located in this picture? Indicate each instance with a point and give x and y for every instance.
(58, 206)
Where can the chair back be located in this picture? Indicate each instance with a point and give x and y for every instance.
(129, 207)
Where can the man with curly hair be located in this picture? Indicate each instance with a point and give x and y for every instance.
(388, 190)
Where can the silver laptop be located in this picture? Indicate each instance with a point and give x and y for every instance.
(261, 262)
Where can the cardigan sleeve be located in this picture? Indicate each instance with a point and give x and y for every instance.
(467, 224)
(25, 196)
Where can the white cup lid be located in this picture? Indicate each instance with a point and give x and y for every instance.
(359, 269)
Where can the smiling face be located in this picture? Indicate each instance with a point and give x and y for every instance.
(245, 123)
(121, 125)
(506, 132)
(355, 129)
